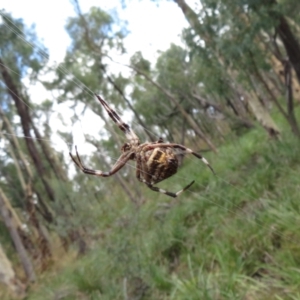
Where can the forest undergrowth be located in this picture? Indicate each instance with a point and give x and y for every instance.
(232, 236)
(231, 88)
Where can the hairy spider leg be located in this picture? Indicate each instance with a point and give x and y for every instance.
(159, 190)
(115, 168)
(174, 195)
(130, 135)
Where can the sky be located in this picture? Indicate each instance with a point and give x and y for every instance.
(151, 27)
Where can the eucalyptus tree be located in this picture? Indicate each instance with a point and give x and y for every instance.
(237, 39)
(33, 182)
(25, 185)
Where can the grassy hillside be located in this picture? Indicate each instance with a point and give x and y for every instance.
(233, 236)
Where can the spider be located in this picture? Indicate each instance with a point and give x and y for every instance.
(155, 161)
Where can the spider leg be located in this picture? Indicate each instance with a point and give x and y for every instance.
(181, 147)
(129, 133)
(160, 140)
(174, 195)
(138, 167)
(116, 167)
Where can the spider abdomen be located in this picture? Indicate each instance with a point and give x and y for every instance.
(160, 163)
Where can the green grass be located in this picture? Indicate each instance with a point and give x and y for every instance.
(233, 236)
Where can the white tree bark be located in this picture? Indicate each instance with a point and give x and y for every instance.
(8, 276)
(7, 217)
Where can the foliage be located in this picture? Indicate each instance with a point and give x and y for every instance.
(233, 236)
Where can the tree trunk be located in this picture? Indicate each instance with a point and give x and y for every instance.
(50, 156)
(290, 99)
(262, 115)
(43, 243)
(289, 40)
(8, 276)
(192, 18)
(290, 43)
(24, 258)
(25, 121)
(15, 144)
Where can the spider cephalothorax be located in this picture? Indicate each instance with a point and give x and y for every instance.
(155, 161)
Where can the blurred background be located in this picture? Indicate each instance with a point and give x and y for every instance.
(221, 77)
